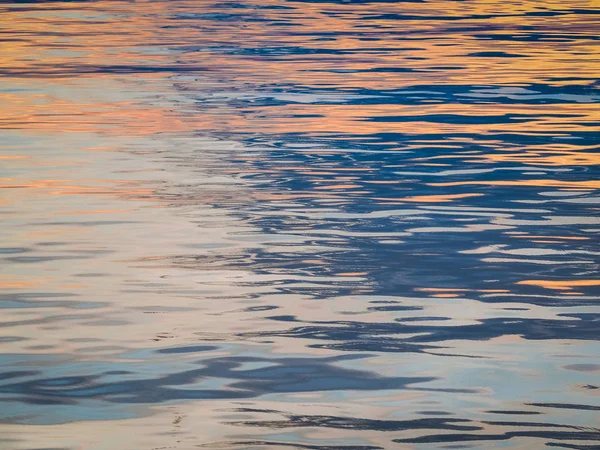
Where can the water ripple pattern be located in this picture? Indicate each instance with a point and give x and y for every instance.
(299, 224)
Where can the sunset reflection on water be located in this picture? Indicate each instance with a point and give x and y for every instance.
(299, 224)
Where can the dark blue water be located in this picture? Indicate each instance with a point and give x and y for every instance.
(299, 225)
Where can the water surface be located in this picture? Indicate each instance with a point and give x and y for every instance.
(299, 225)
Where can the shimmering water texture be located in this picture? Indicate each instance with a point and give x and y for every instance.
(312, 225)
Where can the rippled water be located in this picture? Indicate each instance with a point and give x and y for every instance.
(307, 224)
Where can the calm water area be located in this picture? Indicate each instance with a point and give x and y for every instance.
(299, 224)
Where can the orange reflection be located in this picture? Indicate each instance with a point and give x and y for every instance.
(432, 41)
(560, 284)
(8, 284)
(587, 184)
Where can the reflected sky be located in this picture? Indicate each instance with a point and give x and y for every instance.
(299, 224)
